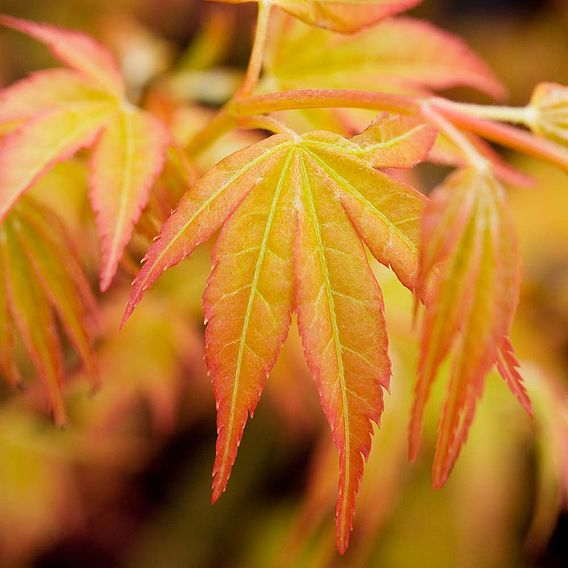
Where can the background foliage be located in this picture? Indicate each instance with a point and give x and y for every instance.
(127, 484)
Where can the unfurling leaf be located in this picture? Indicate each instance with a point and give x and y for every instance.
(469, 260)
(294, 211)
(549, 106)
(40, 278)
(345, 16)
(55, 113)
(397, 54)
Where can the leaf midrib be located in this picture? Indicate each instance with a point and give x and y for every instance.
(250, 303)
(81, 129)
(125, 184)
(336, 340)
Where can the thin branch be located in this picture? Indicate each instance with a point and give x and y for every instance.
(506, 135)
(257, 56)
(268, 123)
(225, 119)
(474, 158)
(515, 115)
(325, 98)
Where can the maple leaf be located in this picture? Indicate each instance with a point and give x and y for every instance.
(470, 262)
(293, 212)
(397, 54)
(345, 16)
(55, 113)
(41, 276)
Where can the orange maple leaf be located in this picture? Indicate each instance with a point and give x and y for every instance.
(469, 276)
(293, 212)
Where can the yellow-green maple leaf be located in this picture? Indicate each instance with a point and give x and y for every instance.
(294, 213)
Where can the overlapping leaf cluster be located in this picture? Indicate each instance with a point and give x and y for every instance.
(41, 277)
(295, 215)
(467, 236)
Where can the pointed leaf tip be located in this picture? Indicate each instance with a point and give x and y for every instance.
(508, 367)
(203, 209)
(347, 352)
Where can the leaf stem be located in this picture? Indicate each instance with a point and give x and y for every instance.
(325, 98)
(268, 123)
(226, 119)
(516, 115)
(257, 55)
(506, 135)
(471, 153)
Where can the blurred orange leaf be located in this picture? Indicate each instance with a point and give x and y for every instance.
(469, 256)
(41, 277)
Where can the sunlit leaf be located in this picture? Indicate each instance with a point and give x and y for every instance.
(294, 211)
(205, 208)
(55, 113)
(44, 91)
(396, 141)
(397, 54)
(344, 16)
(340, 316)
(248, 302)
